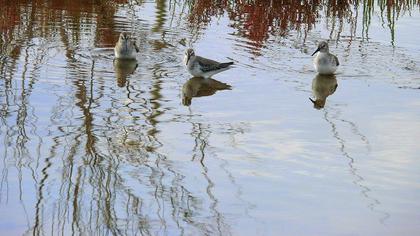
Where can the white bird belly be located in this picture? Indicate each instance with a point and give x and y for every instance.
(194, 70)
(121, 53)
(324, 64)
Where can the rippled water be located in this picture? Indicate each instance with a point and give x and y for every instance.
(89, 146)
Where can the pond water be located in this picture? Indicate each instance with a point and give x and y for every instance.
(89, 146)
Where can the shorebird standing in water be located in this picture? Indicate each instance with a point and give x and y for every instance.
(202, 67)
(125, 47)
(325, 63)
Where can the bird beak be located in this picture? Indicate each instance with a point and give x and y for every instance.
(317, 50)
(312, 100)
(188, 58)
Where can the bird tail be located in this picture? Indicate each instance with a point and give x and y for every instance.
(226, 64)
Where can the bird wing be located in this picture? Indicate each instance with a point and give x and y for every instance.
(207, 65)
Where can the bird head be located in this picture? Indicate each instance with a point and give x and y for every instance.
(318, 103)
(124, 37)
(188, 54)
(322, 47)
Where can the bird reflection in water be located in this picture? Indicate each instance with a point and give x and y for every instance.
(322, 87)
(123, 69)
(200, 87)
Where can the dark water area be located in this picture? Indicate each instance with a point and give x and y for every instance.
(93, 146)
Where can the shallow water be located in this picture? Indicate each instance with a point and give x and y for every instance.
(89, 146)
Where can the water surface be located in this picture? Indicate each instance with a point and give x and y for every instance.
(91, 146)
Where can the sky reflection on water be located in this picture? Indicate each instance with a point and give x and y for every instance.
(89, 145)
